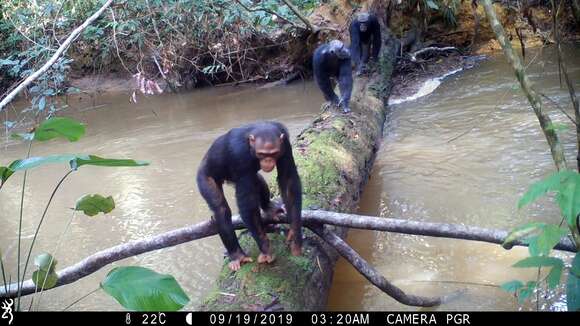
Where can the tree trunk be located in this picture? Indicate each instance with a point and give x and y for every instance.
(334, 155)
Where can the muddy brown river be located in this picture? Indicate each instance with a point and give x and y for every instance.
(421, 173)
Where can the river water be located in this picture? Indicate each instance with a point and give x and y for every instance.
(173, 132)
(421, 173)
(463, 154)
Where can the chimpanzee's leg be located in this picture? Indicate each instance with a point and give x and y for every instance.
(248, 197)
(213, 194)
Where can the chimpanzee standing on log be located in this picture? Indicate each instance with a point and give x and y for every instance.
(365, 40)
(237, 157)
(333, 60)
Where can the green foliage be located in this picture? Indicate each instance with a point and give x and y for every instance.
(94, 160)
(573, 285)
(566, 185)
(45, 276)
(75, 161)
(135, 288)
(542, 237)
(59, 127)
(521, 291)
(141, 289)
(556, 265)
(184, 35)
(92, 205)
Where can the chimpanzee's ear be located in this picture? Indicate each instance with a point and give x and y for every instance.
(252, 139)
(282, 137)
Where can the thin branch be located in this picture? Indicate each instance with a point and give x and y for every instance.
(432, 48)
(371, 274)
(208, 228)
(270, 12)
(301, 17)
(65, 45)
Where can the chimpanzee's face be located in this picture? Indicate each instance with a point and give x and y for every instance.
(267, 150)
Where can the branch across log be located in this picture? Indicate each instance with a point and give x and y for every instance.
(311, 218)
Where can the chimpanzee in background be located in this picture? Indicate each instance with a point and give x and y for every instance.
(333, 60)
(365, 40)
(237, 157)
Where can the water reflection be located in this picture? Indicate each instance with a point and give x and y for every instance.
(464, 154)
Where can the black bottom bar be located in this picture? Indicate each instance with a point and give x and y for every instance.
(293, 318)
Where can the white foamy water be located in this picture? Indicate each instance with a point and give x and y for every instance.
(427, 88)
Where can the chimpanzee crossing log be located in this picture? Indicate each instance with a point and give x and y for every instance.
(237, 157)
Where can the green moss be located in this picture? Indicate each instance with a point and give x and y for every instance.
(255, 284)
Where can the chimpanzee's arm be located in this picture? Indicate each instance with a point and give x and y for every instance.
(345, 83)
(291, 191)
(355, 43)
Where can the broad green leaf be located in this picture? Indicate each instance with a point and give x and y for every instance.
(576, 265)
(45, 276)
(573, 285)
(75, 161)
(99, 161)
(549, 238)
(45, 262)
(512, 286)
(92, 205)
(554, 276)
(5, 173)
(539, 261)
(569, 198)
(541, 187)
(33, 162)
(566, 184)
(41, 277)
(59, 127)
(521, 232)
(526, 291)
(533, 246)
(141, 289)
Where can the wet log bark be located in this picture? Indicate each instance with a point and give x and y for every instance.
(334, 156)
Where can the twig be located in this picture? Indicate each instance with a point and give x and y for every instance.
(432, 48)
(54, 57)
(270, 12)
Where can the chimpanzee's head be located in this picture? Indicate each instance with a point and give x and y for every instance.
(266, 145)
(337, 48)
(363, 19)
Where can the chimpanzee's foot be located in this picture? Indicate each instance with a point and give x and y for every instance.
(236, 264)
(266, 259)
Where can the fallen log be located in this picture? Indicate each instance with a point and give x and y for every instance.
(334, 156)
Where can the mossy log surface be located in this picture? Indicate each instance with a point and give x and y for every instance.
(334, 156)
